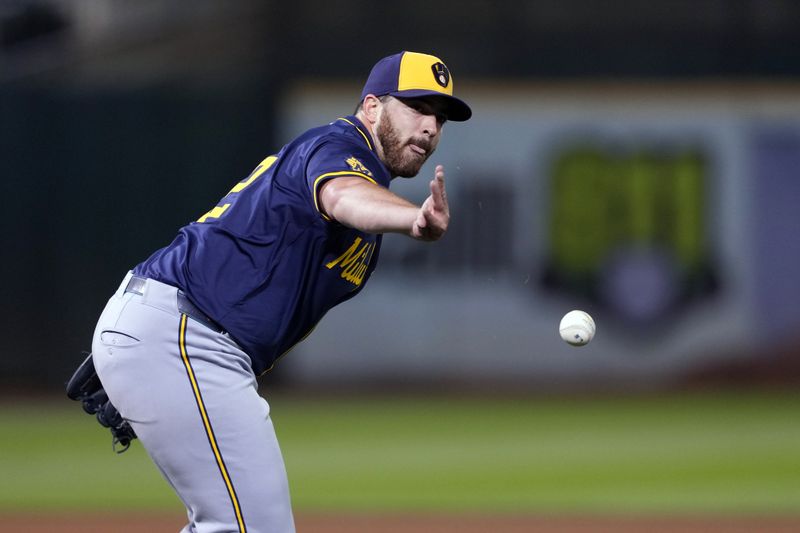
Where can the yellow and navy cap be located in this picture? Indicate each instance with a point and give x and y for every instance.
(412, 74)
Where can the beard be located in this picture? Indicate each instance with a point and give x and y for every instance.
(401, 161)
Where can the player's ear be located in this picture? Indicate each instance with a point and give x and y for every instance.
(370, 108)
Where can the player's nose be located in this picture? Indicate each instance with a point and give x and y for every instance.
(430, 125)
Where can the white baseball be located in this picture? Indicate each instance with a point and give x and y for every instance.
(577, 328)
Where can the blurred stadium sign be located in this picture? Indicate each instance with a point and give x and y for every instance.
(627, 227)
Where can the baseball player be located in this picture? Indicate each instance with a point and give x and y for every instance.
(181, 342)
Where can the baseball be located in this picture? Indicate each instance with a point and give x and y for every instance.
(577, 328)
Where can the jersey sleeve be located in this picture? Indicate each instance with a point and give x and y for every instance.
(334, 159)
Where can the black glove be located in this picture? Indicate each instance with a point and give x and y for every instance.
(84, 386)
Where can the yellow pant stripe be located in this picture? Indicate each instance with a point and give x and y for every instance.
(209, 430)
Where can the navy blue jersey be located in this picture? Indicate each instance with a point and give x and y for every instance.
(266, 263)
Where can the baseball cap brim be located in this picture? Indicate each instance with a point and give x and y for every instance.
(454, 109)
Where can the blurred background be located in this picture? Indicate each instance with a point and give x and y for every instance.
(637, 160)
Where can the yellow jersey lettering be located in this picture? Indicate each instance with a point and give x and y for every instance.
(259, 170)
(354, 261)
(348, 256)
(356, 276)
(353, 271)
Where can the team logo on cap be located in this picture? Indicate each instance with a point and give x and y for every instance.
(441, 74)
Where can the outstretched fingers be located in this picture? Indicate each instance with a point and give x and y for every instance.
(438, 194)
(434, 215)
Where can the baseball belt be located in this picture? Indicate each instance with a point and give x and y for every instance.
(185, 306)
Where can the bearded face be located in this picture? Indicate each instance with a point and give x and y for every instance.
(403, 155)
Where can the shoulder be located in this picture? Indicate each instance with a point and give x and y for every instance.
(346, 148)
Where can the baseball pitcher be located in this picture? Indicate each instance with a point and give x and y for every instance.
(180, 344)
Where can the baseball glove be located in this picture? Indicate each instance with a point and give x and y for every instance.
(84, 386)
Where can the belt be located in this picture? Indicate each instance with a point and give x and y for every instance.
(136, 286)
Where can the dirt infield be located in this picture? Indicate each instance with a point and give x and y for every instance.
(333, 523)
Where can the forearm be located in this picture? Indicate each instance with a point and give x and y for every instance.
(359, 204)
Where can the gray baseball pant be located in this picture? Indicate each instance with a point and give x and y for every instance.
(191, 396)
